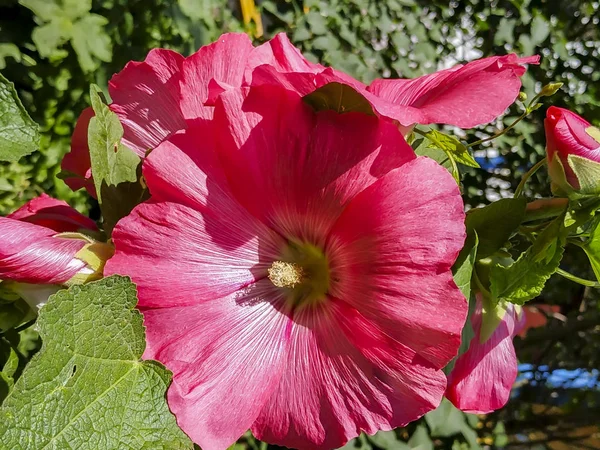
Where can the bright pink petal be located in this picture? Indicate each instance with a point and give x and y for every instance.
(278, 63)
(280, 53)
(210, 253)
(226, 356)
(483, 376)
(77, 161)
(392, 250)
(331, 390)
(294, 169)
(154, 98)
(30, 253)
(464, 96)
(220, 65)
(54, 214)
(146, 97)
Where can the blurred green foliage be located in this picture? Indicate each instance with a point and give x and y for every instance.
(54, 49)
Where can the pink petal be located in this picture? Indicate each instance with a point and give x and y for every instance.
(30, 253)
(483, 376)
(154, 98)
(223, 63)
(211, 254)
(279, 63)
(226, 356)
(54, 214)
(395, 244)
(331, 390)
(464, 96)
(146, 97)
(294, 169)
(77, 161)
(281, 54)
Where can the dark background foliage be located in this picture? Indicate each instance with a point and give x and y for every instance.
(53, 49)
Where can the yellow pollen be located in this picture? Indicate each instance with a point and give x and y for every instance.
(285, 274)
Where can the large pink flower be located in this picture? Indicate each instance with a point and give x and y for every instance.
(162, 95)
(293, 268)
(483, 376)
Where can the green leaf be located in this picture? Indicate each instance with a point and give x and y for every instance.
(388, 440)
(505, 32)
(87, 387)
(19, 134)
(463, 267)
(445, 420)
(525, 278)
(420, 439)
(340, 98)
(9, 363)
(540, 29)
(462, 272)
(44, 9)
(114, 166)
(90, 42)
(495, 223)
(592, 250)
(49, 37)
(452, 146)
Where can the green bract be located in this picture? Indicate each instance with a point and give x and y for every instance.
(88, 388)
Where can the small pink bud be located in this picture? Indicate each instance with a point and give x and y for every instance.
(573, 148)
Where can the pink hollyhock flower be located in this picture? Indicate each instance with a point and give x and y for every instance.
(40, 243)
(287, 276)
(483, 376)
(160, 96)
(573, 148)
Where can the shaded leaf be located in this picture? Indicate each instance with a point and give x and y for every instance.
(340, 98)
(525, 278)
(495, 223)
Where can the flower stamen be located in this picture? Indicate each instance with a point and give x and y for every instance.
(285, 274)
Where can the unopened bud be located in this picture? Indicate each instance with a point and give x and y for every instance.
(522, 96)
(95, 255)
(550, 89)
(573, 148)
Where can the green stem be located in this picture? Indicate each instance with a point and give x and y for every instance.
(527, 175)
(576, 279)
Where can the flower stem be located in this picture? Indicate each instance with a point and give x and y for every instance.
(576, 279)
(527, 175)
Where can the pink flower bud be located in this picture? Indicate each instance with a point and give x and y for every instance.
(573, 147)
